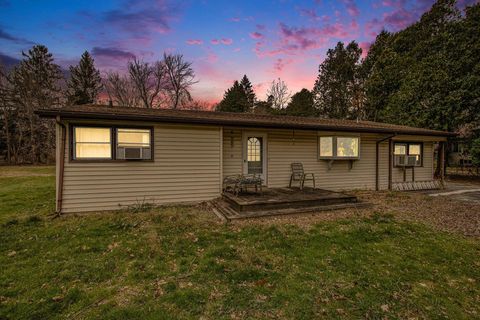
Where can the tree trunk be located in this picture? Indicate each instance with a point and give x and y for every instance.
(7, 135)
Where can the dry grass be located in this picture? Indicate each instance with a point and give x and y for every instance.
(442, 213)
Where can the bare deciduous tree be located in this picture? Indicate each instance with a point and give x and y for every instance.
(279, 94)
(5, 107)
(121, 90)
(180, 77)
(149, 81)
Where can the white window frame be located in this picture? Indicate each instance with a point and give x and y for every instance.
(334, 147)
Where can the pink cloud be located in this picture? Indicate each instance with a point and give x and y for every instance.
(401, 16)
(365, 46)
(399, 19)
(280, 64)
(234, 19)
(296, 40)
(226, 41)
(352, 8)
(256, 35)
(307, 38)
(310, 13)
(194, 42)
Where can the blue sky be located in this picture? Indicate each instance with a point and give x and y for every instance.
(224, 39)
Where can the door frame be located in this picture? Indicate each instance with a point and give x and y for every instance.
(264, 136)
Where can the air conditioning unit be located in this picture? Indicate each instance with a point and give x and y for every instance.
(405, 161)
(133, 153)
(411, 161)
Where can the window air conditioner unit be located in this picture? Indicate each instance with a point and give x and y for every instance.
(133, 153)
(405, 161)
(411, 161)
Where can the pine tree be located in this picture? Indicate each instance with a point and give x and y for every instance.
(427, 75)
(85, 81)
(301, 104)
(337, 91)
(248, 88)
(234, 100)
(35, 85)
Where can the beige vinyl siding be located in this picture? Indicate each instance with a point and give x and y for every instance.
(423, 173)
(287, 146)
(186, 168)
(232, 151)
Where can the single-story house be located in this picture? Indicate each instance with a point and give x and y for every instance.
(110, 156)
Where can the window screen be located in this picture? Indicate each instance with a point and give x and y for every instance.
(92, 143)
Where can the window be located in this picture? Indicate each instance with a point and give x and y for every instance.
(254, 155)
(92, 143)
(326, 146)
(409, 149)
(339, 147)
(97, 143)
(133, 137)
(133, 144)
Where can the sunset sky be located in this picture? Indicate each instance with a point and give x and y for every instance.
(223, 39)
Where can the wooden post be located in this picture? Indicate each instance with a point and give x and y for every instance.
(390, 164)
(377, 160)
(441, 154)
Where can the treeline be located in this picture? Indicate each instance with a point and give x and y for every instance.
(37, 82)
(427, 75)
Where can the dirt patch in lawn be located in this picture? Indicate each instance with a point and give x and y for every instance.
(444, 213)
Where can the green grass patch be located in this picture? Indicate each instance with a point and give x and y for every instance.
(176, 262)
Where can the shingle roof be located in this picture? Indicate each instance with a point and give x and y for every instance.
(230, 119)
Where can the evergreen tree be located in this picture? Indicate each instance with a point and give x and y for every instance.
(234, 100)
(428, 74)
(248, 88)
(264, 107)
(380, 76)
(338, 89)
(85, 81)
(301, 104)
(35, 85)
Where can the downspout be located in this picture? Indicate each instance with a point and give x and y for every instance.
(377, 160)
(61, 165)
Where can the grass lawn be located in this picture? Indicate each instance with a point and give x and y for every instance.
(179, 262)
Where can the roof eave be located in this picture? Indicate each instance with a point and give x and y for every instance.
(169, 119)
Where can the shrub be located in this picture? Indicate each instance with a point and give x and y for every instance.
(475, 152)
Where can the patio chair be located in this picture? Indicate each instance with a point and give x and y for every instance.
(299, 175)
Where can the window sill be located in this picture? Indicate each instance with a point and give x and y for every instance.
(339, 158)
(408, 167)
(108, 160)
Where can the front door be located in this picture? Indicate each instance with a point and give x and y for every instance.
(254, 154)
